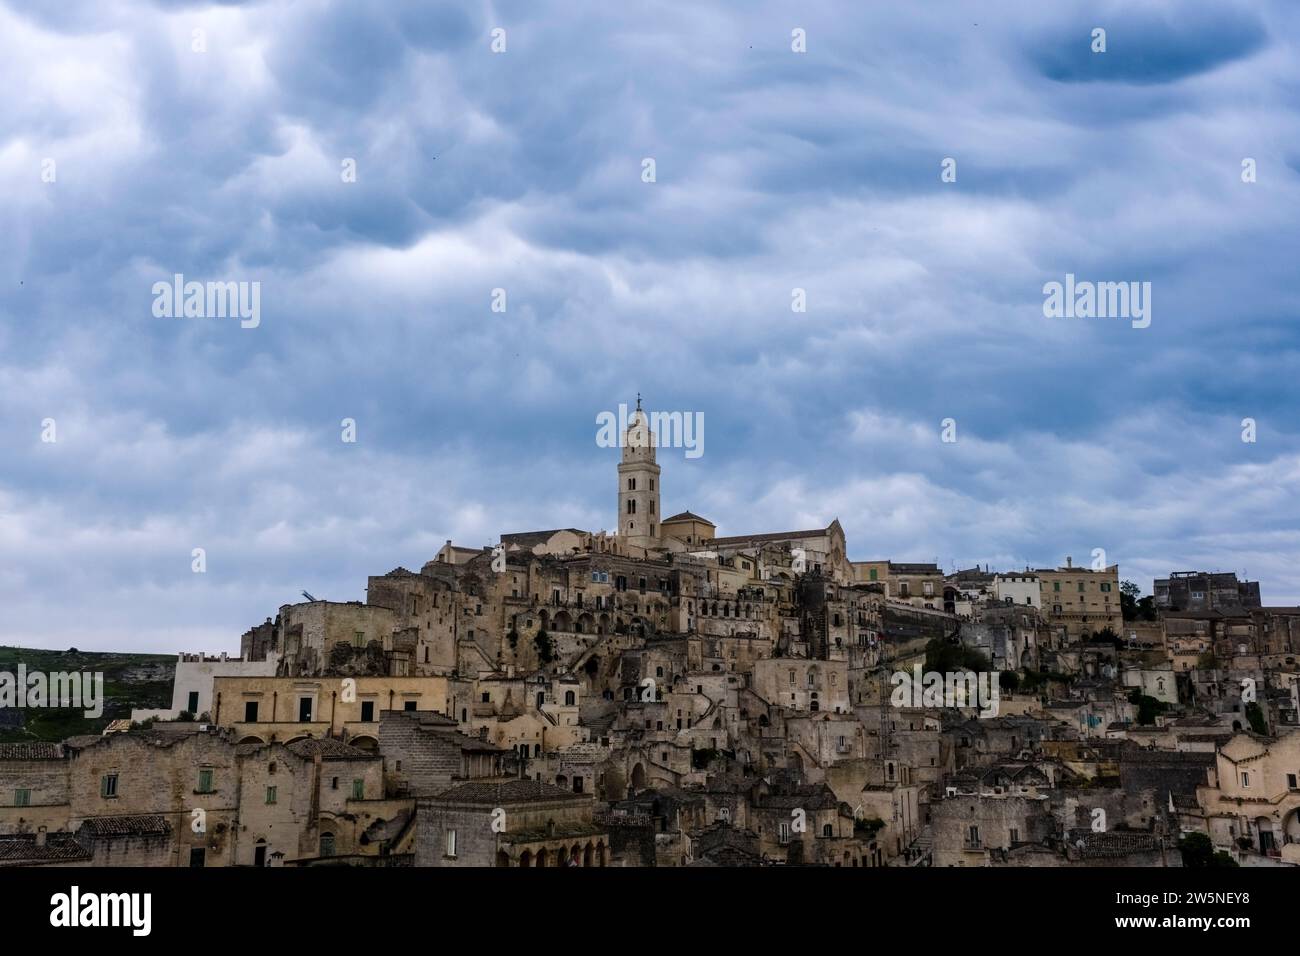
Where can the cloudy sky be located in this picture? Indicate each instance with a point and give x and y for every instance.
(133, 148)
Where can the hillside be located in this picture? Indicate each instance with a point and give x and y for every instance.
(130, 681)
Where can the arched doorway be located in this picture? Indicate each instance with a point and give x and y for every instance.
(503, 858)
(526, 858)
(638, 778)
(588, 855)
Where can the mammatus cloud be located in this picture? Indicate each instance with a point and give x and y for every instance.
(522, 171)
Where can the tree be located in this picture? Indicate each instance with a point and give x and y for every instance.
(545, 650)
(1148, 707)
(1133, 606)
(1009, 681)
(1199, 853)
(1256, 717)
(949, 657)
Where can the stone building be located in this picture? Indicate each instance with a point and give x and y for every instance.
(518, 823)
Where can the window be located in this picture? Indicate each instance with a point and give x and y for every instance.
(451, 842)
(487, 697)
(304, 710)
(1105, 587)
(1290, 783)
(359, 638)
(250, 711)
(358, 789)
(108, 785)
(205, 781)
(570, 698)
(783, 832)
(927, 588)
(872, 574)
(1245, 779)
(631, 484)
(631, 506)
(334, 783)
(23, 797)
(367, 710)
(1056, 585)
(410, 705)
(193, 703)
(197, 855)
(270, 796)
(828, 830)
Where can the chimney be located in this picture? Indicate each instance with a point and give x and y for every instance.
(40, 836)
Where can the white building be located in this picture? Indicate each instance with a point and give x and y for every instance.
(1019, 589)
(192, 686)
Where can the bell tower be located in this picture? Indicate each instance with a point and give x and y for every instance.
(638, 483)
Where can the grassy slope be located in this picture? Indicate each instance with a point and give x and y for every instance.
(120, 695)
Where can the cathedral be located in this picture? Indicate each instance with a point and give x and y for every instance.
(644, 533)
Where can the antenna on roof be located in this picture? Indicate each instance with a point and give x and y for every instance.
(308, 596)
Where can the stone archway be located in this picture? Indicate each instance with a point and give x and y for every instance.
(638, 778)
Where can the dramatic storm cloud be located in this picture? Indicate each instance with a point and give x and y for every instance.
(142, 140)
